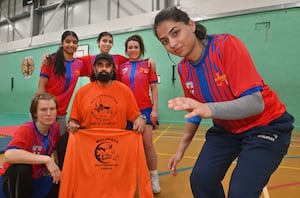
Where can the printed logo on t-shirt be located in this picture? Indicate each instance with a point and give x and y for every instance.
(77, 72)
(220, 79)
(37, 149)
(106, 154)
(144, 70)
(190, 86)
(104, 110)
(124, 70)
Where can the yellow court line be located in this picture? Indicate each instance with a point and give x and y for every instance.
(169, 155)
(164, 154)
(288, 167)
(192, 157)
(162, 133)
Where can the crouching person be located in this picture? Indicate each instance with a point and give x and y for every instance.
(29, 168)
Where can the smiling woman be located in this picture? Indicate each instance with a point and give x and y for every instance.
(142, 80)
(59, 76)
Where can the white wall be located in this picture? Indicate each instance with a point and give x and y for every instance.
(197, 9)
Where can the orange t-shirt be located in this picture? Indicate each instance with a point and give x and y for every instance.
(95, 106)
(106, 163)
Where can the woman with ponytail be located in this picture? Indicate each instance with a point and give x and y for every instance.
(221, 83)
(60, 74)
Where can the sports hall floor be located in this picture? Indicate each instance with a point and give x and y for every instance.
(284, 183)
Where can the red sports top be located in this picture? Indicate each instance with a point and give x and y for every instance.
(138, 76)
(227, 72)
(62, 87)
(28, 138)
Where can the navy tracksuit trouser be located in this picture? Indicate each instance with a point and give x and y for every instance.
(258, 152)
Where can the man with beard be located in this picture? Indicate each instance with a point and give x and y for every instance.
(105, 102)
(100, 110)
(102, 103)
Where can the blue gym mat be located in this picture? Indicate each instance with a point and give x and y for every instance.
(3, 143)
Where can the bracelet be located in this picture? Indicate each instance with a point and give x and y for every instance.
(143, 117)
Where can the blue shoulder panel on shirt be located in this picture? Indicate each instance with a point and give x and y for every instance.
(195, 120)
(252, 90)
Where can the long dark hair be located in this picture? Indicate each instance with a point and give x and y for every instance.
(102, 34)
(178, 15)
(138, 39)
(58, 57)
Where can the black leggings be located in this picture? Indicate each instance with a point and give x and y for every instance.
(17, 182)
(61, 149)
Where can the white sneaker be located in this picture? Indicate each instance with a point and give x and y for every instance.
(155, 183)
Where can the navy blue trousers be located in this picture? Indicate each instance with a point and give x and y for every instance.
(258, 153)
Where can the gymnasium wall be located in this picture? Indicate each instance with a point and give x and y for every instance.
(272, 38)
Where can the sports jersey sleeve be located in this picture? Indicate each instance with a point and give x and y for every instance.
(21, 139)
(152, 76)
(119, 59)
(46, 70)
(239, 67)
(87, 60)
(87, 65)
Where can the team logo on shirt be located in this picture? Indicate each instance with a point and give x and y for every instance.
(144, 70)
(105, 153)
(77, 72)
(220, 79)
(124, 70)
(37, 149)
(190, 86)
(104, 110)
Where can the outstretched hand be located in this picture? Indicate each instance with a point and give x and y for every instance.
(173, 161)
(194, 107)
